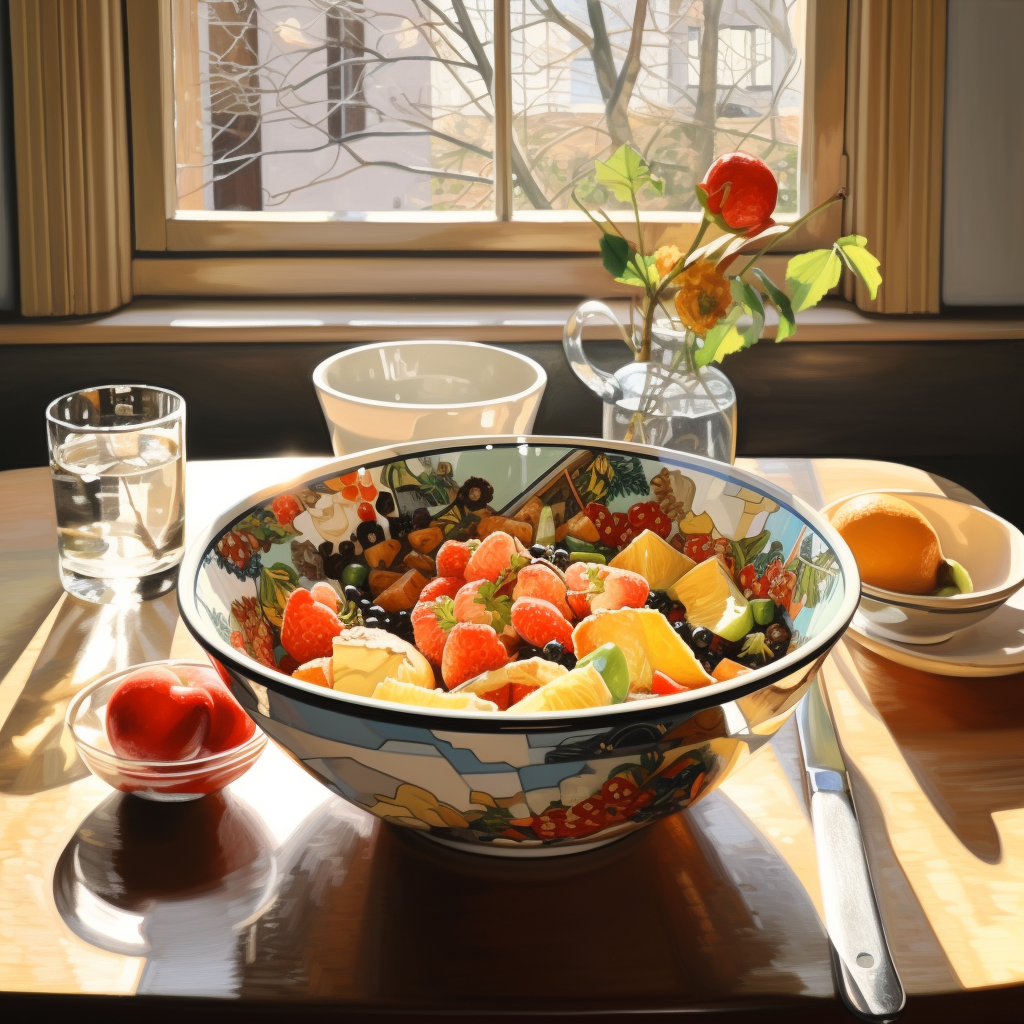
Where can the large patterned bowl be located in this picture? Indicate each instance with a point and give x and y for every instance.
(499, 783)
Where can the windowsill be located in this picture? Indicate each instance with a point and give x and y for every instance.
(342, 320)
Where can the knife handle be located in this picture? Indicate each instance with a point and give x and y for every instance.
(867, 978)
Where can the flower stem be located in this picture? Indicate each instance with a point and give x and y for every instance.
(839, 195)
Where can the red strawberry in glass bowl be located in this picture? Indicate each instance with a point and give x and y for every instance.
(166, 731)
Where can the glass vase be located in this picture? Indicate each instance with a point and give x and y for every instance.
(667, 401)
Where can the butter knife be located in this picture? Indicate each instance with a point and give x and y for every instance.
(865, 975)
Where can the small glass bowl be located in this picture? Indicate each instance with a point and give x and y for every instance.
(163, 781)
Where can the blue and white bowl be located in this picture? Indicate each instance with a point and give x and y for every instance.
(513, 785)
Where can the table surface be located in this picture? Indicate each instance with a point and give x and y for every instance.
(277, 893)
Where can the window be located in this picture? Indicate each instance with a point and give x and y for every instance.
(394, 125)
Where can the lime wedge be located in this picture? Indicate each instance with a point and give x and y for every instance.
(712, 599)
(609, 660)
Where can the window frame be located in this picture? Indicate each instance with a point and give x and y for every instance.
(167, 236)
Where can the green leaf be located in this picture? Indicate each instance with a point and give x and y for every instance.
(810, 275)
(614, 254)
(625, 172)
(780, 300)
(748, 299)
(630, 275)
(860, 261)
(721, 336)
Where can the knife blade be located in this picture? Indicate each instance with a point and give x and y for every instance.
(865, 974)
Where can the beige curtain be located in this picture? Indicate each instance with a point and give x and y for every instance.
(894, 113)
(71, 156)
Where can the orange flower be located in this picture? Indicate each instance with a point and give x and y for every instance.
(666, 258)
(703, 297)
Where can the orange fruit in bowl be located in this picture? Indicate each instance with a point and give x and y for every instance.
(894, 545)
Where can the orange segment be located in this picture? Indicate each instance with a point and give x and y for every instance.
(408, 693)
(318, 672)
(578, 689)
(648, 642)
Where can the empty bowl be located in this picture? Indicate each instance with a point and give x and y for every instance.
(989, 548)
(503, 783)
(162, 781)
(400, 391)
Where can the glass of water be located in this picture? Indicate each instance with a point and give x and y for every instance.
(117, 461)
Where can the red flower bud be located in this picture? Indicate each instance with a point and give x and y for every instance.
(742, 189)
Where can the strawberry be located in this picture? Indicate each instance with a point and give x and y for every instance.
(605, 587)
(431, 622)
(472, 649)
(579, 602)
(286, 507)
(539, 622)
(287, 665)
(599, 515)
(325, 594)
(453, 556)
(647, 515)
(540, 580)
(480, 601)
(492, 558)
(442, 586)
(308, 627)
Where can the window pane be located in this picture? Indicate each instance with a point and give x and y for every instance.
(334, 105)
(702, 78)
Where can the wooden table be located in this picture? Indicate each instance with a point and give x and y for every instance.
(277, 897)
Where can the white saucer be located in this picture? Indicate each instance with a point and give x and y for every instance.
(992, 647)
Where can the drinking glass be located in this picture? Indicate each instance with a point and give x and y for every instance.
(117, 462)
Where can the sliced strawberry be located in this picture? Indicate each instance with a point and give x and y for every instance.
(442, 586)
(605, 587)
(431, 623)
(492, 558)
(308, 627)
(472, 649)
(453, 557)
(325, 594)
(480, 601)
(539, 622)
(540, 580)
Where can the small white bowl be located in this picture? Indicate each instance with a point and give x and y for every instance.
(989, 548)
(399, 391)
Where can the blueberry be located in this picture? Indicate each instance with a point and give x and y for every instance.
(385, 504)
(420, 519)
(347, 551)
(682, 629)
(553, 651)
(334, 566)
(560, 558)
(326, 549)
(352, 593)
(778, 636)
(701, 638)
(375, 609)
(539, 551)
(365, 604)
(371, 622)
(568, 660)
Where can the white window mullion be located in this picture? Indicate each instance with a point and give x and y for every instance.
(502, 89)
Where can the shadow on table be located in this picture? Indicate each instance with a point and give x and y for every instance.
(961, 739)
(174, 883)
(666, 917)
(84, 642)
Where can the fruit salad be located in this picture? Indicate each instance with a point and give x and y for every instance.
(533, 615)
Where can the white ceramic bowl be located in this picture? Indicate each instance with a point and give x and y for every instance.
(989, 548)
(398, 391)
